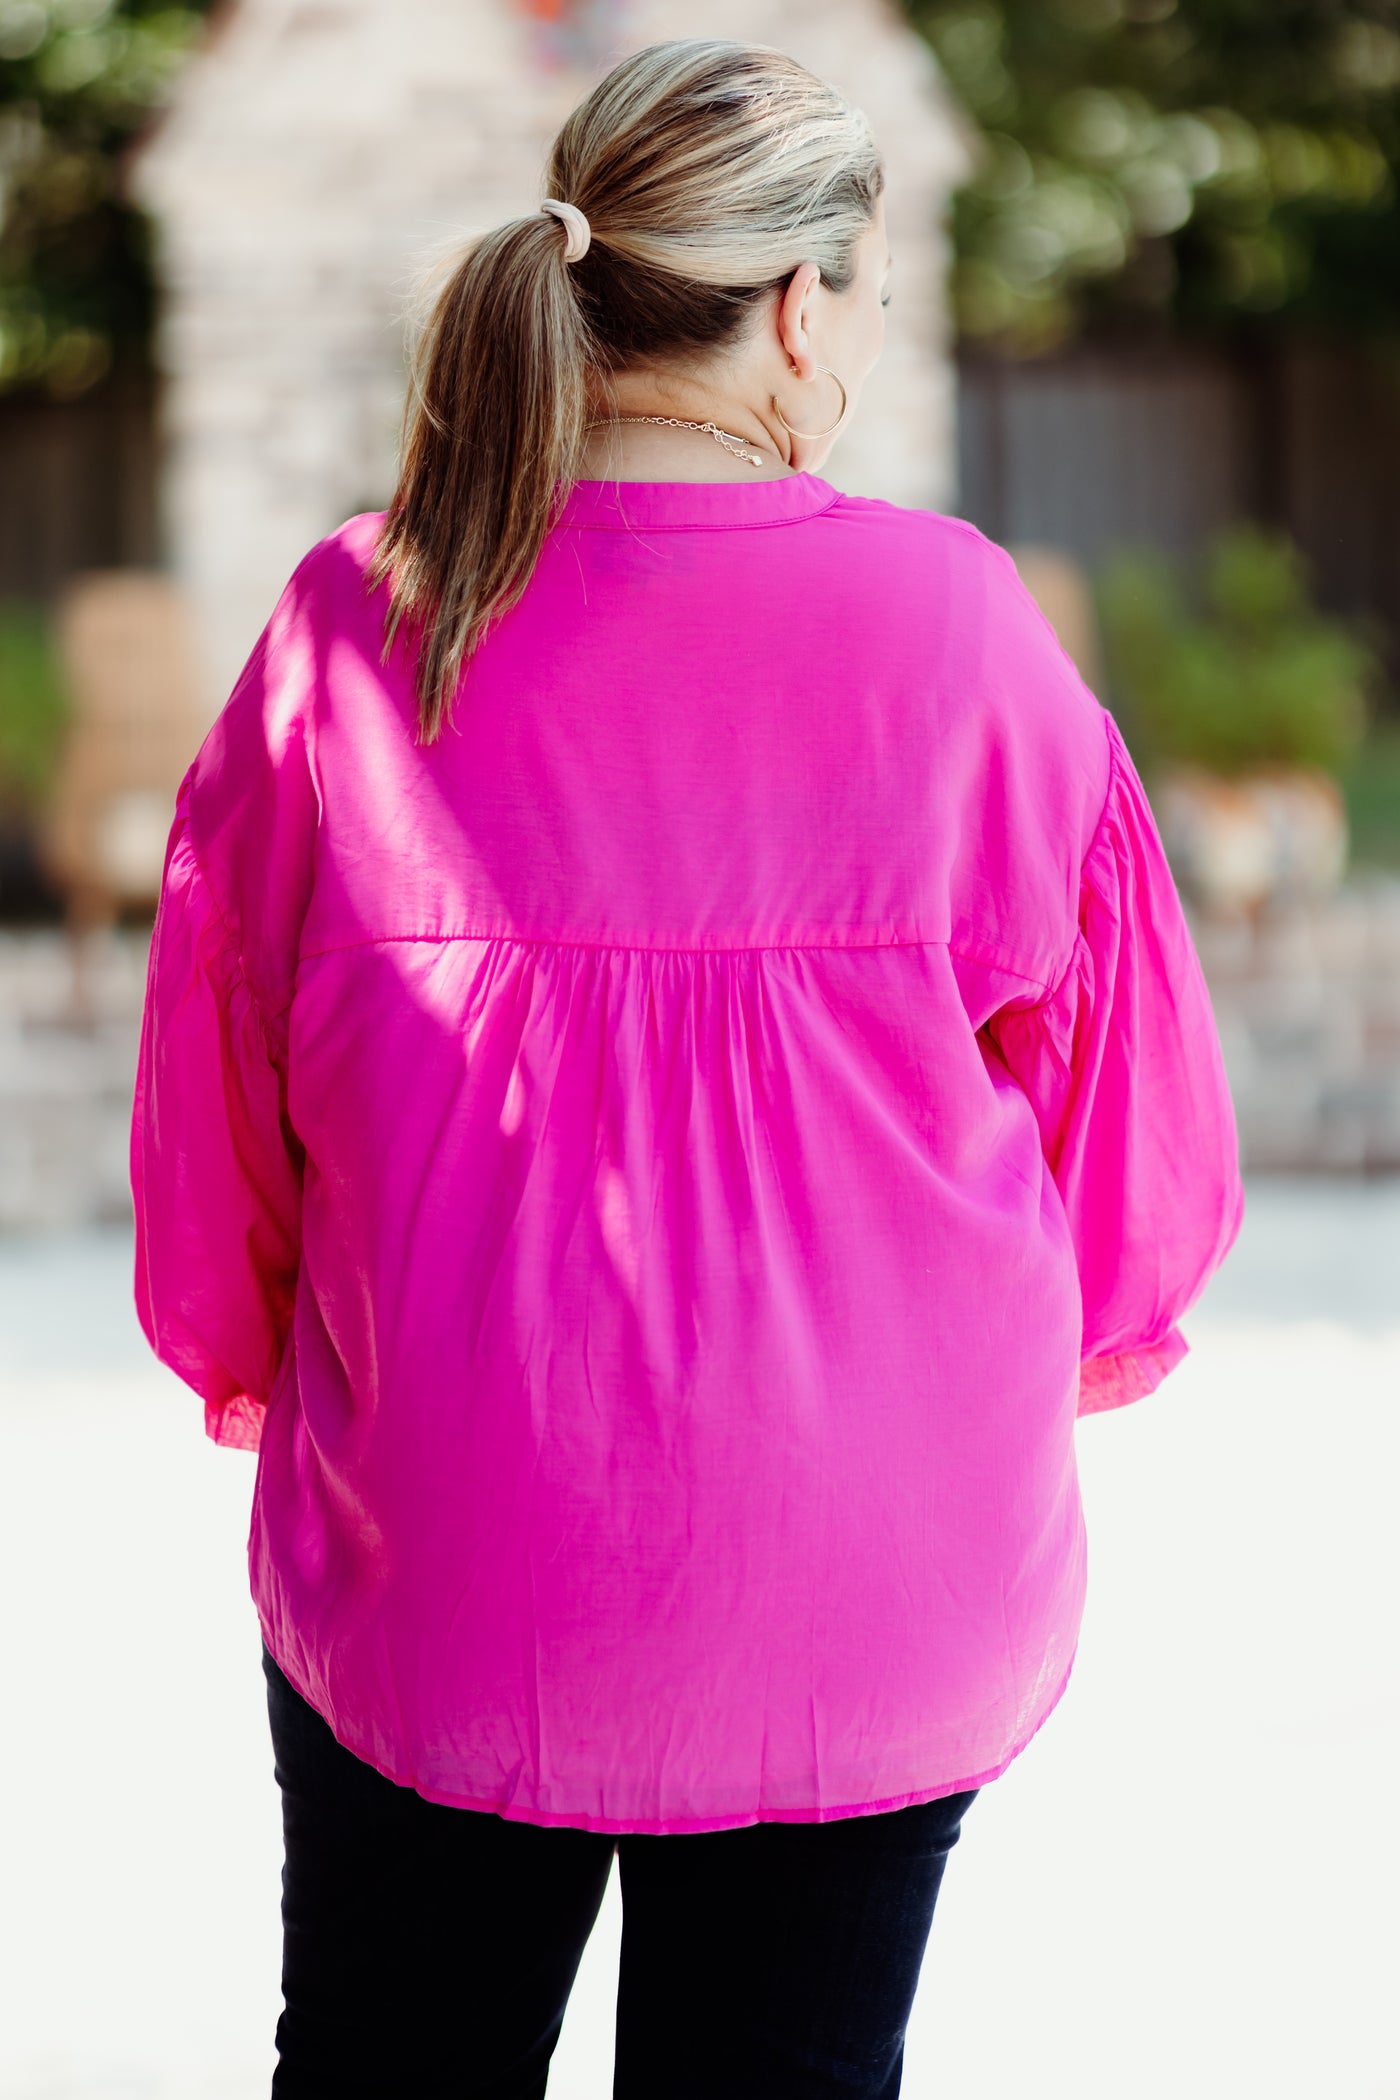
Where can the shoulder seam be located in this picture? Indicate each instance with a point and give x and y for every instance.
(1115, 774)
(971, 532)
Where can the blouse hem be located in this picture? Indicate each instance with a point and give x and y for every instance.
(670, 1826)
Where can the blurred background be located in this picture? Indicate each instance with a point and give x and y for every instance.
(1144, 331)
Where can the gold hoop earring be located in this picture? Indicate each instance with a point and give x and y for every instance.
(813, 433)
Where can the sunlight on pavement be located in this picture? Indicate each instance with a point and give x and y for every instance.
(1183, 1886)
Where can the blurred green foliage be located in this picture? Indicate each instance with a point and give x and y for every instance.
(1251, 675)
(1195, 161)
(78, 79)
(33, 706)
(1371, 785)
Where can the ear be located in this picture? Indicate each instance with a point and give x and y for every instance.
(792, 319)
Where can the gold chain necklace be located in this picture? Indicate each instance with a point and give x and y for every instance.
(740, 447)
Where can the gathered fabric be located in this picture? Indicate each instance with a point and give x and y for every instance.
(657, 1173)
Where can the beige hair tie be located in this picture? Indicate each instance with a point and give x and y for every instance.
(579, 231)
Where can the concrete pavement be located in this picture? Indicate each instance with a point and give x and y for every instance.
(1185, 1885)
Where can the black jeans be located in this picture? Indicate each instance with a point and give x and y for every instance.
(429, 1951)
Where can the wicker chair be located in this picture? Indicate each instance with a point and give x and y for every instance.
(126, 645)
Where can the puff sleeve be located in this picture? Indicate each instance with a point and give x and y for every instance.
(1123, 1067)
(215, 1170)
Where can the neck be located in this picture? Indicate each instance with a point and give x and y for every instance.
(646, 451)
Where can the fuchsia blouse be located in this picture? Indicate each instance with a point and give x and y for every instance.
(658, 1172)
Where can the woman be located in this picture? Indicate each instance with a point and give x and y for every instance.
(673, 1070)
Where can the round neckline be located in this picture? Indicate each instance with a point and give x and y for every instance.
(624, 506)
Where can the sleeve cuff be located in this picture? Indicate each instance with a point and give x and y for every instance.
(1113, 1381)
(236, 1422)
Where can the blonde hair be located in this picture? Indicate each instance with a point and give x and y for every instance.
(708, 170)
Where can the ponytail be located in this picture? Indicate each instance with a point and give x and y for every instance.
(493, 430)
(706, 171)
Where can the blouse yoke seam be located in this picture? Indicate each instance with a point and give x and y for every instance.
(971, 952)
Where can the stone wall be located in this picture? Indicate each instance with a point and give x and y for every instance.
(1307, 1003)
(65, 1084)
